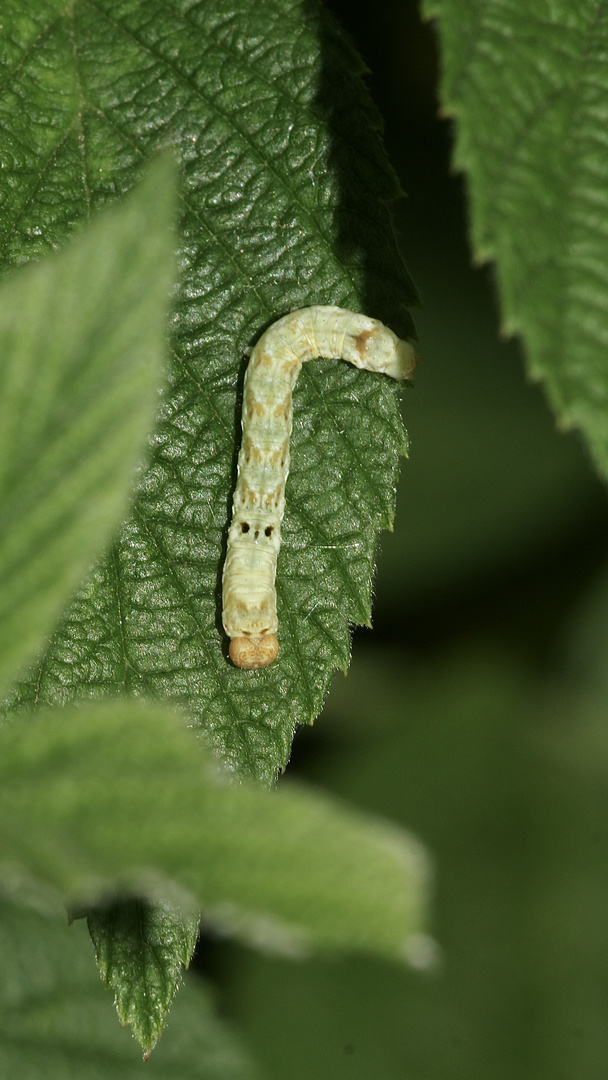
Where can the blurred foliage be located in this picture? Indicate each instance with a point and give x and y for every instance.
(118, 799)
(82, 339)
(504, 777)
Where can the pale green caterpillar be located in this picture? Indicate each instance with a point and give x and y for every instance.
(249, 598)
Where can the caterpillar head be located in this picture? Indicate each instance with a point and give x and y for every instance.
(252, 653)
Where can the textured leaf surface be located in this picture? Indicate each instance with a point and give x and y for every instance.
(111, 797)
(82, 338)
(528, 85)
(285, 205)
(141, 949)
(57, 1020)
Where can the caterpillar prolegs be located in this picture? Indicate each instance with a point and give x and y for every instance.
(249, 599)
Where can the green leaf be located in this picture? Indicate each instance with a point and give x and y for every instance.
(527, 83)
(285, 204)
(140, 949)
(82, 337)
(120, 798)
(57, 1021)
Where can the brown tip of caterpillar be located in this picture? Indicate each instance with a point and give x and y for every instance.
(253, 653)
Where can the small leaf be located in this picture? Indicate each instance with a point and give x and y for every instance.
(82, 336)
(58, 1023)
(527, 84)
(140, 949)
(121, 798)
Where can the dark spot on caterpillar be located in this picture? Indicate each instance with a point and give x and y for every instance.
(361, 340)
(256, 534)
(268, 530)
(245, 527)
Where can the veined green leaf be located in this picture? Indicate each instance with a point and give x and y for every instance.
(285, 191)
(141, 950)
(527, 84)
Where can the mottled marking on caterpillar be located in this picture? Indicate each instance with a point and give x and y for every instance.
(249, 599)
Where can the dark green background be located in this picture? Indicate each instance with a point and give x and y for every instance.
(474, 711)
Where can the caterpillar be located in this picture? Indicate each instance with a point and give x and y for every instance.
(249, 612)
